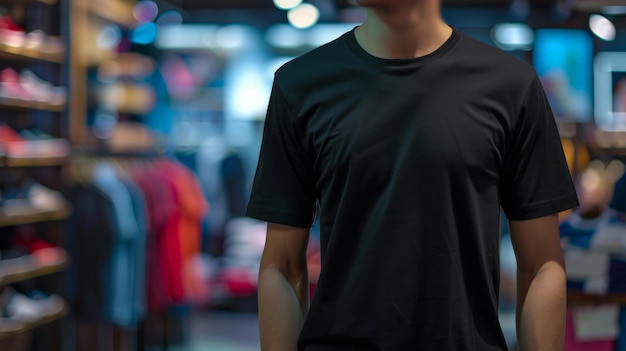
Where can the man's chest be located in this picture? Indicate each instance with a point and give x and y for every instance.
(406, 131)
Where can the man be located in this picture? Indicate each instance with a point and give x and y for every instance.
(409, 136)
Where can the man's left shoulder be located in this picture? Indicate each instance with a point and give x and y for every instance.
(496, 58)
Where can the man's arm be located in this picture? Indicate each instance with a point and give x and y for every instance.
(283, 287)
(541, 284)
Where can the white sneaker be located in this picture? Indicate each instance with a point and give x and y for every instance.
(26, 310)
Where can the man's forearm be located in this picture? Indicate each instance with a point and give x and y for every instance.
(541, 307)
(282, 307)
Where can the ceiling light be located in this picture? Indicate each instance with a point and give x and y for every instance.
(303, 16)
(602, 27)
(287, 4)
(513, 36)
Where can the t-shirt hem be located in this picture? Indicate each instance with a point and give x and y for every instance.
(275, 216)
(544, 208)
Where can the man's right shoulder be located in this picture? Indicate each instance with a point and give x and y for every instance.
(312, 64)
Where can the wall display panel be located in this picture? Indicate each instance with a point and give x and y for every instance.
(610, 90)
(563, 59)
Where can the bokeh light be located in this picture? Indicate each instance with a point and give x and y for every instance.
(145, 11)
(602, 27)
(287, 4)
(304, 16)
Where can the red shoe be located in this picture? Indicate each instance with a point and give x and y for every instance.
(10, 33)
(17, 146)
(13, 143)
(44, 253)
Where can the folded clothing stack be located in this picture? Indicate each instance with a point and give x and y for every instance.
(610, 279)
(595, 252)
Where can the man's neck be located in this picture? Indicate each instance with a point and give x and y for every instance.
(401, 32)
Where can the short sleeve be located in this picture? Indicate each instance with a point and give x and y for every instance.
(535, 180)
(283, 190)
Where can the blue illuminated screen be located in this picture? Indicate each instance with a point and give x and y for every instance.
(563, 59)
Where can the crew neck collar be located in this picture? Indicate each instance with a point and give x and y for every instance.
(359, 51)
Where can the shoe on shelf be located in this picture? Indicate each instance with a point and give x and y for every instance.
(11, 86)
(12, 142)
(44, 253)
(10, 33)
(50, 256)
(47, 145)
(16, 262)
(42, 90)
(31, 198)
(43, 198)
(17, 204)
(27, 310)
(34, 40)
(35, 146)
(51, 304)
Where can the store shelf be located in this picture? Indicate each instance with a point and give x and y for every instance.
(30, 105)
(33, 161)
(47, 2)
(116, 11)
(609, 151)
(103, 152)
(61, 214)
(18, 53)
(32, 274)
(580, 299)
(33, 325)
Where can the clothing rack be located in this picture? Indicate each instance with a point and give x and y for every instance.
(160, 326)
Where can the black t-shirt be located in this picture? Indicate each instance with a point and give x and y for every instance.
(409, 162)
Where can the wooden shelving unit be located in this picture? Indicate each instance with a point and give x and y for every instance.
(59, 215)
(47, 2)
(33, 325)
(19, 53)
(33, 161)
(84, 14)
(51, 61)
(39, 272)
(116, 11)
(32, 105)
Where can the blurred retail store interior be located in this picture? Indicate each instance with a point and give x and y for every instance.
(129, 136)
